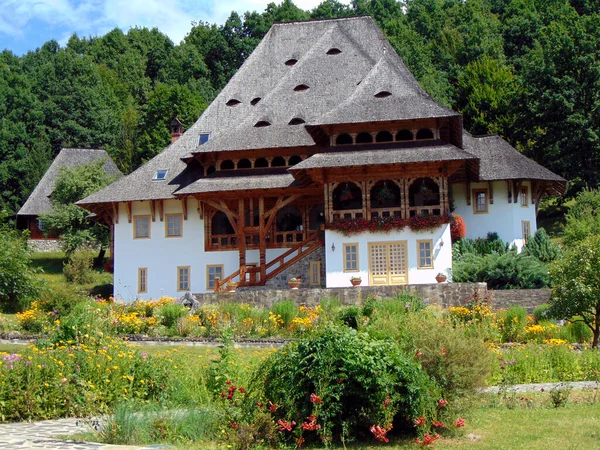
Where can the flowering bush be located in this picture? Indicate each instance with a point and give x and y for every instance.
(349, 227)
(347, 383)
(458, 228)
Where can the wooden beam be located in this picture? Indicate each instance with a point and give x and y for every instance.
(509, 187)
(200, 209)
(153, 210)
(184, 208)
(262, 260)
(160, 209)
(491, 191)
(115, 212)
(517, 190)
(468, 188)
(128, 207)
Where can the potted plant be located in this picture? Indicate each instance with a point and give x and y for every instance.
(356, 281)
(385, 195)
(441, 277)
(294, 283)
(231, 286)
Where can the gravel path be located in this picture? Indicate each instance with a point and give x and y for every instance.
(545, 386)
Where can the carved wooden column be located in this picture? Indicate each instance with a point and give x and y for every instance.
(241, 236)
(263, 236)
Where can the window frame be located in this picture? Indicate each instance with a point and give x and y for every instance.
(167, 235)
(135, 229)
(487, 200)
(164, 173)
(424, 241)
(311, 272)
(208, 267)
(143, 270)
(189, 278)
(524, 190)
(345, 252)
(523, 235)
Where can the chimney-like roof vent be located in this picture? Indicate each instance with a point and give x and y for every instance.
(291, 62)
(383, 94)
(255, 101)
(296, 121)
(301, 88)
(233, 102)
(334, 51)
(262, 123)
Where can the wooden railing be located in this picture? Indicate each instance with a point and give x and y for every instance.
(386, 212)
(223, 240)
(273, 268)
(288, 237)
(347, 214)
(434, 210)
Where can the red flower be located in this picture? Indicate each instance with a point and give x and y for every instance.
(228, 382)
(387, 401)
(259, 404)
(272, 407)
(459, 423)
(380, 433)
(285, 425)
(420, 421)
(314, 398)
(233, 425)
(419, 353)
(427, 439)
(300, 441)
(312, 425)
(438, 424)
(442, 403)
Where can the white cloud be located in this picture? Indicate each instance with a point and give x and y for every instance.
(95, 17)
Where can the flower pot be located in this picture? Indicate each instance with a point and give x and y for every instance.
(231, 289)
(441, 278)
(355, 282)
(109, 266)
(294, 285)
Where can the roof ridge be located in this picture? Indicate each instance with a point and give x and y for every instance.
(326, 19)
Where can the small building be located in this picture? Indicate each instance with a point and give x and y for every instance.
(322, 158)
(40, 200)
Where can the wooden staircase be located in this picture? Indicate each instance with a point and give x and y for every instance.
(251, 275)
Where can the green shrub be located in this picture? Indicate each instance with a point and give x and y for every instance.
(541, 247)
(170, 313)
(511, 323)
(78, 269)
(348, 381)
(18, 285)
(349, 317)
(541, 312)
(286, 309)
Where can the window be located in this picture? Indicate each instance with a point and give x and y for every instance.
(183, 278)
(480, 201)
(526, 229)
(524, 195)
(142, 280)
(141, 227)
(203, 139)
(160, 175)
(314, 269)
(350, 257)
(425, 254)
(212, 272)
(173, 225)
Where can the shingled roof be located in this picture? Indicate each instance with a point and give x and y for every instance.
(317, 74)
(39, 201)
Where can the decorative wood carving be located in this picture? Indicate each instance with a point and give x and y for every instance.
(491, 191)
(128, 208)
(153, 210)
(161, 209)
(184, 208)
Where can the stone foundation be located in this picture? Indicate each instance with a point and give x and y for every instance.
(300, 269)
(528, 298)
(45, 245)
(442, 294)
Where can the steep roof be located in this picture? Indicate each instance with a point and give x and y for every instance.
(230, 182)
(39, 201)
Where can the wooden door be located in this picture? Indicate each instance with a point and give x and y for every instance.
(388, 263)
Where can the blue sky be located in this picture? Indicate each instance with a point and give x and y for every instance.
(26, 24)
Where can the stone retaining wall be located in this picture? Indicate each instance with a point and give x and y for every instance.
(529, 298)
(442, 294)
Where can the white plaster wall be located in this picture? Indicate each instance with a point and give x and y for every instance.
(442, 254)
(504, 218)
(162, 255)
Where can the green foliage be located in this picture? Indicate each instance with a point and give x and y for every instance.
(170, 313)
(78, 269)
(541, 247)
(350, 317)
(18, 285)
(576, 285)
(501, 271)
(541, 312)
(72, 185)
(511, 323)
(583, 217)
(286, 309)
(353, 376)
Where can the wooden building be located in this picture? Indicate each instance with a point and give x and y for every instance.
(321, 158)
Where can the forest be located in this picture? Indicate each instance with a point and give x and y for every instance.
(528, 70)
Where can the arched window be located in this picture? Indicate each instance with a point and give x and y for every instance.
(220, 224)
(261, 162)
(211, 169)
(227, 165)
(364, 138)
(344, 139)
(347, 196)
(295, 160)
(384, 136)
(424, 133)
(278, 161)
(424, 192)
(288, 218)
(404, 135)
(385, 194)
(244, 164)
(316, 217)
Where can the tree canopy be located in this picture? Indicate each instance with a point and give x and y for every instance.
(526, 69)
